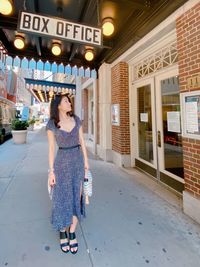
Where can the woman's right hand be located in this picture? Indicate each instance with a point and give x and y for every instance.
(52, 179)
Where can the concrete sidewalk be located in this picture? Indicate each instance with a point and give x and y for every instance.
(127, 224)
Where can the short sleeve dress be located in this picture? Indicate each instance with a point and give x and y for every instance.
(67, 199)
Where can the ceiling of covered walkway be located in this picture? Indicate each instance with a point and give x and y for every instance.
(132, 19)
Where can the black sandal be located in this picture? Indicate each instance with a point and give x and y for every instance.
(72, 236)
(63, 235)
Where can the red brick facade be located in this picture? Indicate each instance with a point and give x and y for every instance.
(11, 98)
(188, 43)
(120, 95)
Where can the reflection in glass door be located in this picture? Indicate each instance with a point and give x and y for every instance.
(173, 152)
(145, 138)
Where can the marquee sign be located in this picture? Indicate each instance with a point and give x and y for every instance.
(59, 28)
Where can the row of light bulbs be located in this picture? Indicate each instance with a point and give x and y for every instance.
(51, 89)
(19, 43)
(6, 8)
(41, 96)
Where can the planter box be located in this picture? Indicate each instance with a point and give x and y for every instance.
(19, 137)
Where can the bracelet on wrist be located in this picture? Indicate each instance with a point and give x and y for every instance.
(50, 170)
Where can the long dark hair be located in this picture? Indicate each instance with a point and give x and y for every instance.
(54, 112)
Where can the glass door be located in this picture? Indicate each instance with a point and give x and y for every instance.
(169, 131)
(145, 136)
(145, 127)
(158, 129)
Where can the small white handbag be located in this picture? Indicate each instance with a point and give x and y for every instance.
(50, 189)
(87, 186)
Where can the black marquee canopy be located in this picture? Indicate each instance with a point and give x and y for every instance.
(132, 20)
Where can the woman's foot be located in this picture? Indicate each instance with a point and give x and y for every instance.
(73, 243)
(64, 243)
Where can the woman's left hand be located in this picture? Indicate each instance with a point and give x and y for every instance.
(86, 166)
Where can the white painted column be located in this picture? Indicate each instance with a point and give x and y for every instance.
(104, 149)
(92, 84)
(78, 97)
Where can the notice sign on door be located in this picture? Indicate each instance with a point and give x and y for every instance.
(59, 28)
(173, 122)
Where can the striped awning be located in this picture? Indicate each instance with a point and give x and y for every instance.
(44, 90)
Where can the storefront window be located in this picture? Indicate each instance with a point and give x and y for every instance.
(173, 152)
(145, 123)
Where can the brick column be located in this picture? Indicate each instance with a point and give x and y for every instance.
(120, 95)
(188, 43)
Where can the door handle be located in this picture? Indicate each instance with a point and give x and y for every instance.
(159, 138)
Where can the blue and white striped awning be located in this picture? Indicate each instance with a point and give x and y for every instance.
(44, 90)
(49, 86)
(47, 66)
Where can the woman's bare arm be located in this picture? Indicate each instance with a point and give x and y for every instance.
(51, 141)
(82, 142)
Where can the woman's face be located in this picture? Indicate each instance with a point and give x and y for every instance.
(65, 105)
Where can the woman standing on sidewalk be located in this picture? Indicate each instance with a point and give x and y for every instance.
(66, 170)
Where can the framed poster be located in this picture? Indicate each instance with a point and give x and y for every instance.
(191, 114)
(115, 113)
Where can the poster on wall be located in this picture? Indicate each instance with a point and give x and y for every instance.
(191, 114)
(115, 114)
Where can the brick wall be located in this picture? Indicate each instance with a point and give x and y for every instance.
(85, 107)
(191, 150)
(120, 95)
(188, 44)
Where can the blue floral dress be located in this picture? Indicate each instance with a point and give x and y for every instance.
(69, 172)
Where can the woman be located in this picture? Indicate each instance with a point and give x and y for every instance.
(66, 170)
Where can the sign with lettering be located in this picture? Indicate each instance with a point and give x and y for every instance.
(59, 28)
(193, 82)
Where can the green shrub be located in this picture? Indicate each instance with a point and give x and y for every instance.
(19, 125)
(31, 121)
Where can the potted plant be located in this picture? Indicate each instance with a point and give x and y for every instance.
(19, 131)
(31, 123)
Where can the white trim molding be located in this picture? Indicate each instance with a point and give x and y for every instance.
(191, 206)
(158, 32)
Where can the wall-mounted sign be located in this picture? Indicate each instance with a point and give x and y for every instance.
(115, 113)
(59, 28)
(25, 113)
(193, 82)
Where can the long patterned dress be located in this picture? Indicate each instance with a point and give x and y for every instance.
(69, 173)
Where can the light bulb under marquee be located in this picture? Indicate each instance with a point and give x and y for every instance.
(56, 49)
(19, 42)
(89, 55)
(6, 7)
(108, 27)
